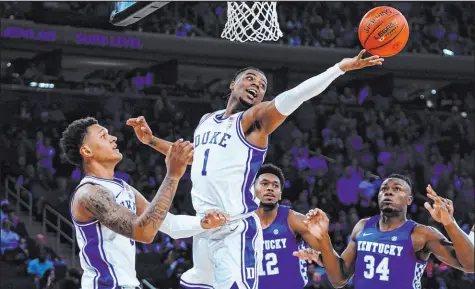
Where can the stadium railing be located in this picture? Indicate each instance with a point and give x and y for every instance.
(16, 195)
(59, 232)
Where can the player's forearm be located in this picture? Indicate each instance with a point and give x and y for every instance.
(288, 101)
(181, 226)
(148, 224)
(333, 264)
(463, 247)
(160, 145)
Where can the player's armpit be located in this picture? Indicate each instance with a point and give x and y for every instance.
(435, 242)
(264, 113)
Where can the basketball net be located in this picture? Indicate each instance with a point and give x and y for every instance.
(257, 22)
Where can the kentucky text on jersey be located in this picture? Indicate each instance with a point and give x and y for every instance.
(386, 259)
(275, 244)
(386, 249)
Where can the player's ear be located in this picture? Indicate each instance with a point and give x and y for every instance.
(231, 86)
(409, 199)
(85, 151)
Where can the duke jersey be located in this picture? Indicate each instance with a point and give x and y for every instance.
(107, 258)
(280, 269)
(224, 166)
(386, 259)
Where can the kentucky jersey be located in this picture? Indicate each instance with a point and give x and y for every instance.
(280, 269)
(107, 258)
(386, 259)
(224, 166)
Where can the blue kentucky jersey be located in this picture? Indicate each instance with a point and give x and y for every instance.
(386, 259)
(280, 269)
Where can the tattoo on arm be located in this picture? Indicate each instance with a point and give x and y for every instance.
(101, 204)
(158, 208)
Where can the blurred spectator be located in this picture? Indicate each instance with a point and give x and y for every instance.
(8, 239)
(39, 266)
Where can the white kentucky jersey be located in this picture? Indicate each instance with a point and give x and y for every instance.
(224, 166)
(107, 258)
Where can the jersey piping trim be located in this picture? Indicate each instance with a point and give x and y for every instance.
(243, 139)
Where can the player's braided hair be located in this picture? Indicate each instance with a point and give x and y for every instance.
(401, 177)
(73, 138)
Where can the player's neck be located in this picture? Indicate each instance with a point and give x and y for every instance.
(105, 171)
(267, 215)
(233, 106)
(391, 222)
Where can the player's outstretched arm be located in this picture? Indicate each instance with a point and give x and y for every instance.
(271, 114)
(459, 253)
(340, 269)
(183, 226)
(144, 134)
(98, 203)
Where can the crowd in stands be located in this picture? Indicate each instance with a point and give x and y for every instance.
(334, 153)
(434, 26)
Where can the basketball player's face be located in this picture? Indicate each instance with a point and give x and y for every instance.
(100, 145)
(267, 188)
(250, 87)
(394, 195)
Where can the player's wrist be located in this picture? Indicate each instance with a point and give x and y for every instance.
(450, 223)
(152, 142)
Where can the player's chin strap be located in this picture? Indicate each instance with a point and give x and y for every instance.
(288, 101)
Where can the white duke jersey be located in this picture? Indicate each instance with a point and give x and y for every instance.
(224, 166)
(107, 258)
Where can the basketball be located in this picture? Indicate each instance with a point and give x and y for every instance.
(383, 31)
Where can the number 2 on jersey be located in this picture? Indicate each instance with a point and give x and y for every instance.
(382, 268)
(205, 162)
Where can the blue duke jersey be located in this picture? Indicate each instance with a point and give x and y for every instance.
(386, 259)
(107, 258)
(224, 166)
(280, 269)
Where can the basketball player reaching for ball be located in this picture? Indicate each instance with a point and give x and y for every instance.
(229, 148)
(280, 225)
(109, 215)
(389, 251)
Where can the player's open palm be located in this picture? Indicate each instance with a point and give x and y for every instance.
(358, 62)
(317, 223)
(141, 129)
(178, 157)
(442, 210)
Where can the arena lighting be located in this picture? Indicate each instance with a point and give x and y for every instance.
(463, 114)
(429, 104)
(9, 64)
(433, 91)
(41, 85)
(448, 52)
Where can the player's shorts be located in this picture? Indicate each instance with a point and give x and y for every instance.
(228, 257)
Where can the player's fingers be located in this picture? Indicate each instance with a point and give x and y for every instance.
(372, 58)
(428, 207)
(362, 52)
(140, 119)
(431, 190)
(130, 121)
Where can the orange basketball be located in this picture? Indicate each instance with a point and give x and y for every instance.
(383, 31)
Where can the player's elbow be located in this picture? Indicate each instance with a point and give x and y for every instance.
(144, 236)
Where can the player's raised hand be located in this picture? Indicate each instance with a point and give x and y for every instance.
(443, 210)
(359, 62)
(213, 219)
(317, 223)
(141, 129)
(310, 255)
(178, 157)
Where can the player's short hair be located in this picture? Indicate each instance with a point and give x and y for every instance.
(401, 177)
(274, 170)
(242, 70)
(73, 138)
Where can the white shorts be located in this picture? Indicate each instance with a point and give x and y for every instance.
(228, 257)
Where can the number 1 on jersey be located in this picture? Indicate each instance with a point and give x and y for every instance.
(205, 162)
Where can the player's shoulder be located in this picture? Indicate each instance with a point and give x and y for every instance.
(358, 228)
(425, 232)
(90, 190)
